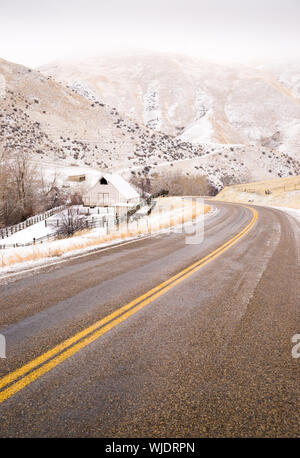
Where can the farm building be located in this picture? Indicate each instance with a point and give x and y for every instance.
(77, 178)
(111, 191)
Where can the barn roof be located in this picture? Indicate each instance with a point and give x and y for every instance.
(120, 184)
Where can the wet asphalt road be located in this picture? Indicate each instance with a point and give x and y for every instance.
(211, 357)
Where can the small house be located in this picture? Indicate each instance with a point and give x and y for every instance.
(111, 190)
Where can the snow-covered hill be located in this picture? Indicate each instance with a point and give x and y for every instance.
(70, 125)
(197, 100)
(55, 122)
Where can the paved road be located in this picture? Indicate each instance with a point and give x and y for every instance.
(209, 354)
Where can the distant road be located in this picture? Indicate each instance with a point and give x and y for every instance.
(158, 338)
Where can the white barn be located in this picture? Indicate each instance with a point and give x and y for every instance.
(111, 191)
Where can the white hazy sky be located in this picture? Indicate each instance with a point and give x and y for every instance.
(34, 32)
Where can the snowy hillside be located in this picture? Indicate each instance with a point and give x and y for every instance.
(197, 100)
(68, 124)
(51, 121)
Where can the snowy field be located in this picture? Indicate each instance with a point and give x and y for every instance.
(51, 224)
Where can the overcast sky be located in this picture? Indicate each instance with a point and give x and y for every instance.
(34, 32)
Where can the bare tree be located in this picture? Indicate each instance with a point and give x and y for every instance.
(70, 222)
(177, 184)
(23, 190)
(142, 184)
(76, 198)
(20, 193)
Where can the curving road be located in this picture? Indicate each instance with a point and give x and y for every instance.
(206, 354)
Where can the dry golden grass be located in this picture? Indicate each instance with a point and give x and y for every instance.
(276, 185)
(125, 231)
(82, 232)
(283, 192)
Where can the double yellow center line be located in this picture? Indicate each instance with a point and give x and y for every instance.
(20, 378)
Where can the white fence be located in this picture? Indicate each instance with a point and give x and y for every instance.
(7, 231)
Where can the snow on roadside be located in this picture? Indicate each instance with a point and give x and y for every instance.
(47, 253)
(294, 217)
(292, 211)
(51, 259)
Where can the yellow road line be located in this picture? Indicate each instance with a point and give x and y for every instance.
(67, 348)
